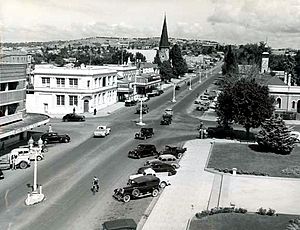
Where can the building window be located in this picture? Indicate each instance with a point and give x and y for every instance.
(60, 82)
(96, 82)
(60, 99)
(88, 84)
(293, 105)
(104, 82)
(73, 82)
(73, 100)
(278, 103)
(46, 81)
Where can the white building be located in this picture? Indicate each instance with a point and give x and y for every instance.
(58, 90)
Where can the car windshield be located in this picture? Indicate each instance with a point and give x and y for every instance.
(100, 127)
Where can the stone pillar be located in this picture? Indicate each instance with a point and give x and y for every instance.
(234, 171)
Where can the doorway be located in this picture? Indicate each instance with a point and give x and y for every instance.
(46, 107)
(298, 107)
(86, 106)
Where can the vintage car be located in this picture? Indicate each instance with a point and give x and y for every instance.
(143, 150)
(139, 187)
(159, 167)
(169, 111)
(145, 108)
(73, 117)
(130, 102)
(166, 158)
(52, 137)
(1, 175)
(102, 131)
(120, 224)
(144, 133)
(173, 150)
(166, 119)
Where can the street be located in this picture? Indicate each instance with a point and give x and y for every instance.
(67, 171)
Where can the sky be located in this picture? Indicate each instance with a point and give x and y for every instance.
(224, 21)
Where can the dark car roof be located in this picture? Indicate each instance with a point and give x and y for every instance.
(146, 144)
(146, 178)
(120, 224)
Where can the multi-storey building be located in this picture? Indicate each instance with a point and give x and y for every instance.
(58, 90)
(14, 121)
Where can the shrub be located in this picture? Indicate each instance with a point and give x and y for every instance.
(270, 212)
(261, 211)
(216, 210)
(294, 224)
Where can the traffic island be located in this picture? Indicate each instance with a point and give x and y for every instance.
(35, 197)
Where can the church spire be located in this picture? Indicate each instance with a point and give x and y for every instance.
(164, 43)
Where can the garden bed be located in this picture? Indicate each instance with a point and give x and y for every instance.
(237, 221)
(246, 158)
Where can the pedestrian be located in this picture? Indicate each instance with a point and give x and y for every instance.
(13, 159)
(50, 129)
(74, 110)
(95, 111)
(201, 125)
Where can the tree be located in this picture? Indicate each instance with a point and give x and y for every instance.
(139, 56)
(157, 59)
(230, 66)
(275, 136)
(297, 67)
(178, 63)
(166, 71)
(245, 102)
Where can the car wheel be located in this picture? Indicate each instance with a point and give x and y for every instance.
(155, 193)
(179, 155)
(136, 192)
(66, 140)
(163, 184)
(126, 198)
(39, 158)
(45, 142)
(23, 165)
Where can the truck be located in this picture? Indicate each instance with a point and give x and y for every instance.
(102, 131)
(31, 153)
(9, 161)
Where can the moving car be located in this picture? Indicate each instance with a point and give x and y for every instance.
(159, 167)
(102, 131)
(120, 224)
(73, 117)
(143, 150)
(166, 119)
(139, 187)
(145, 108)
(144, 133)
(55, 137)
(296, 135)
(169, 111)
(130, 102)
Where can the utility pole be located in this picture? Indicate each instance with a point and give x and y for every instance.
(141, 114)
(174, 89)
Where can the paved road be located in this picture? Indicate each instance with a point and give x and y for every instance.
(68, 169)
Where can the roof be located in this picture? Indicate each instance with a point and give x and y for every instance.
(120, 224)
(145, 178)
(164, 43)
(267, 79)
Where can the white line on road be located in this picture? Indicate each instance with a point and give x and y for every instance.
(5, 197)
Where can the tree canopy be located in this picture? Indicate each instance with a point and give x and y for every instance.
(245, 102)
(166, 71)
(179, 65)
(230, 66)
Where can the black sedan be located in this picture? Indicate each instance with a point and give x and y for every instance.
(1, 175)
(73, 117)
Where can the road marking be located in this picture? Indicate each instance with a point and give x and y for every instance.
(5, 197)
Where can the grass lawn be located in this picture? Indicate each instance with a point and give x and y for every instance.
(236, 221)
(242, 156)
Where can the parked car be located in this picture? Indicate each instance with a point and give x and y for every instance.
(173, 150)
(143, 150)
(144, 133)
(130, 102)
(177, 87)
(140, 187)
(31, 153)
(169, 111)
(166, 158)
(158, 91)
(159, 167)
(102, 131)
(1, 175)
(120, 224)
(202, 107)
(55, 137)
(151, 94)
(145, 108)
(296, 135)
(73, 117)
(163, 177)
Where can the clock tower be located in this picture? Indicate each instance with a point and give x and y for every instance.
(265, 62)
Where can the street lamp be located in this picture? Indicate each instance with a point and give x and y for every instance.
(206, 74)
(141, 114)
(190, 86)
(174, 89)
(200, 77)
(36, 196)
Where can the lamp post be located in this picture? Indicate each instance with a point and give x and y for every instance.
(200, 76)
(141, 114)
(174, 89)
(190, 86)
(36, 196)
(206, 74)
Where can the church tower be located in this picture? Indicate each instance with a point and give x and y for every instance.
(164, 46)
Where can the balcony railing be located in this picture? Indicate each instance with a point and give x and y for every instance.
(7, 97)
(11, 118)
